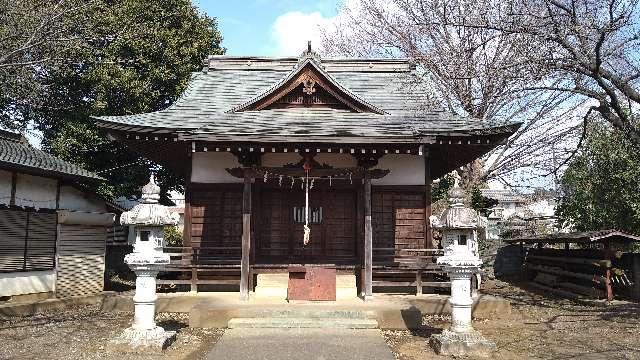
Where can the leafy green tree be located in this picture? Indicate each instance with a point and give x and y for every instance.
(602, 183)
(36, 37)
(479, 202)
(441, 189)
(137, 58)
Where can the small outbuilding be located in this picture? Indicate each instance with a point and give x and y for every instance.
(592, 264)
(52, 229)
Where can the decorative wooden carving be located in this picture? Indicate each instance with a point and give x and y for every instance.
(309, 86)
(368, 161)
(248, 159)
(308, 157)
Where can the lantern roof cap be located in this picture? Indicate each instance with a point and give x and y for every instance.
(458, 215)
(149, 212)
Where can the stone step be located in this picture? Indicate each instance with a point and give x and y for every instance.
(303, 322)
(314, 314)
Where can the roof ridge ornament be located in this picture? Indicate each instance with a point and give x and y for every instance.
(309, 54)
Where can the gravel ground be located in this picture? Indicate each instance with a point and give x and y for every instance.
(84, 333)
(539, 327)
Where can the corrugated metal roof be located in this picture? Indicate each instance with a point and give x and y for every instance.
(17, 154)
(206, 105)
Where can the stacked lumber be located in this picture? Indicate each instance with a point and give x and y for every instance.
(579, 273)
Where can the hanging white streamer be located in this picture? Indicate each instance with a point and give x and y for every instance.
(307, 230)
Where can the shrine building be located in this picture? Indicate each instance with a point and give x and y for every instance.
(305, 161)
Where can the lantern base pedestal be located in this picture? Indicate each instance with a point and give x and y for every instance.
(461, 344)
(156, 339)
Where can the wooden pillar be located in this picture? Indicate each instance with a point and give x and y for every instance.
(428, 233)
(368, 240)
(186, 231)
(189, 252)
(246, 239)
(608, 285)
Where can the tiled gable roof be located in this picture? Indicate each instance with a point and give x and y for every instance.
(228, 83)
(17, 154)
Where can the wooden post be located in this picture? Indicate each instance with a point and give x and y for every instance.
(26, 243)
(609, 287)
(194, 279)
(635, 262)
(187, 248)
(246, 239)
(186, 232)
(428, 233)
(368, 240)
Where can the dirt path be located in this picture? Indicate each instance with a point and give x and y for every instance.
(540, 328)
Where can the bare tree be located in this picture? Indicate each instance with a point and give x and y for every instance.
(477, 71)
(586, 47)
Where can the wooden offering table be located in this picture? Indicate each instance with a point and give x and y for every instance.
(312, 283)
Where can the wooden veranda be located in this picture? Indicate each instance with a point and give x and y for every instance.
(391, 268)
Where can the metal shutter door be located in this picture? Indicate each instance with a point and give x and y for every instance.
(80, 260)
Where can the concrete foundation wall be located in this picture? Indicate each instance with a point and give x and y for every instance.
(21, 283)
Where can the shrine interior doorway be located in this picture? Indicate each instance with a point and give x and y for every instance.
(333, 222)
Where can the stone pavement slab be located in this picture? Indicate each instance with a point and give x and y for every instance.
(303, 344)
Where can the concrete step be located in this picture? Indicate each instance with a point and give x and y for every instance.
(291, 322)
(314, 314)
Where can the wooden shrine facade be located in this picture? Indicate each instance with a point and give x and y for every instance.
(252, 136)
(259, 222)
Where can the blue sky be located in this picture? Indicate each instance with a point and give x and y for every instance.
(269, 27)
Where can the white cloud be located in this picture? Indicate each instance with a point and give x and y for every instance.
(291, 31)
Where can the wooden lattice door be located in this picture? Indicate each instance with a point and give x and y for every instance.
(333, 227)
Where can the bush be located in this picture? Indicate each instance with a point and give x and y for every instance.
(172, 236)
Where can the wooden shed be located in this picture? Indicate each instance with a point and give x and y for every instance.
(52, 229)
(592, 264)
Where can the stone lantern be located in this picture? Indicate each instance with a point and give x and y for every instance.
(459, 226)
(147, 259)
